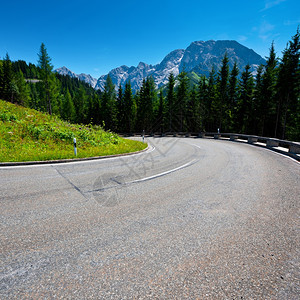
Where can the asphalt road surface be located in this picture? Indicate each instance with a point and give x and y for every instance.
(188, 219)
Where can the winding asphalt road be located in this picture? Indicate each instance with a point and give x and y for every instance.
(188, 219)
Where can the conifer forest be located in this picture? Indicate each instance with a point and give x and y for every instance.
(266, 103)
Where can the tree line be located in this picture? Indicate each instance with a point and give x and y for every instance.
(266, 103)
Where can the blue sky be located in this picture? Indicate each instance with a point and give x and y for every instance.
(95, 36)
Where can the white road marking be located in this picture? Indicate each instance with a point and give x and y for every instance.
(163, 173)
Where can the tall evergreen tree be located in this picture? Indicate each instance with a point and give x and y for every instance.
(96, 109)
(143, 103)
(8, 87)
(288, 87)
(233, 94)
(268, 105)
(23, 96)
(153, 103)
(245, 103)
(44, 63)
(182, 99)
(170, 101)
(221, 102)
(1, 80)
(258, 100)
(80, 103)
(203, 102)
(34, 97)
(68, 108)
(121, 110)
(160, 115)
(130, 109)
(210, 103)
(108, 105)
(193, 116)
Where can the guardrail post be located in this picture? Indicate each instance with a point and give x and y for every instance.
(252, 139)
(294, 148)
(234, 137)
(272, 143)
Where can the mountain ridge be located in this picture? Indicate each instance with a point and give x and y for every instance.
(198, 57)
(83, 77)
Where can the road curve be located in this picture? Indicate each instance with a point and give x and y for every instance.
(188, 219)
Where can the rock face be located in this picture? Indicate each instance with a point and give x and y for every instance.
(83, 77)
(198, 57)
(159, 72)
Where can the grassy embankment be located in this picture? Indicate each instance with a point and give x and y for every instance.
(28, 135)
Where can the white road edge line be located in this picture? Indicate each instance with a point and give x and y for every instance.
(197, 146)
(163, 173)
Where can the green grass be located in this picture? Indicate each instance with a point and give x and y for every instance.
(29, 135)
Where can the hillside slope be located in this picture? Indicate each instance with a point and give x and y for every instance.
(29, 135)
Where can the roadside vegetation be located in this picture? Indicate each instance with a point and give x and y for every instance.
(29, 135)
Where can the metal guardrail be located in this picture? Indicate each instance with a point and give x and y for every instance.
(289, 148)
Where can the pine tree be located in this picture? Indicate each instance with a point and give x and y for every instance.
(44, 63)
(194, 118)
(245, 112)
(80, 103)
(1, 80)
(121, 110)
(221, 102)
(233, 94)
(160, 116)
(258, 100)
(34, 97)
(145, 105)
(153, 103)
(170, 101)
(32, 72)
(288, 111)
(8, 87)
(141, 101)
(55, 94)
(108, 105)
(211, 108)
(203, 102)
(68, 108)
(182, 99)
(95, 113)
(268, 106)
(130, 109)
(23, 89)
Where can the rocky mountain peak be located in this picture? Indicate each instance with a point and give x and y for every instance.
(83, 77)
(198, 57)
